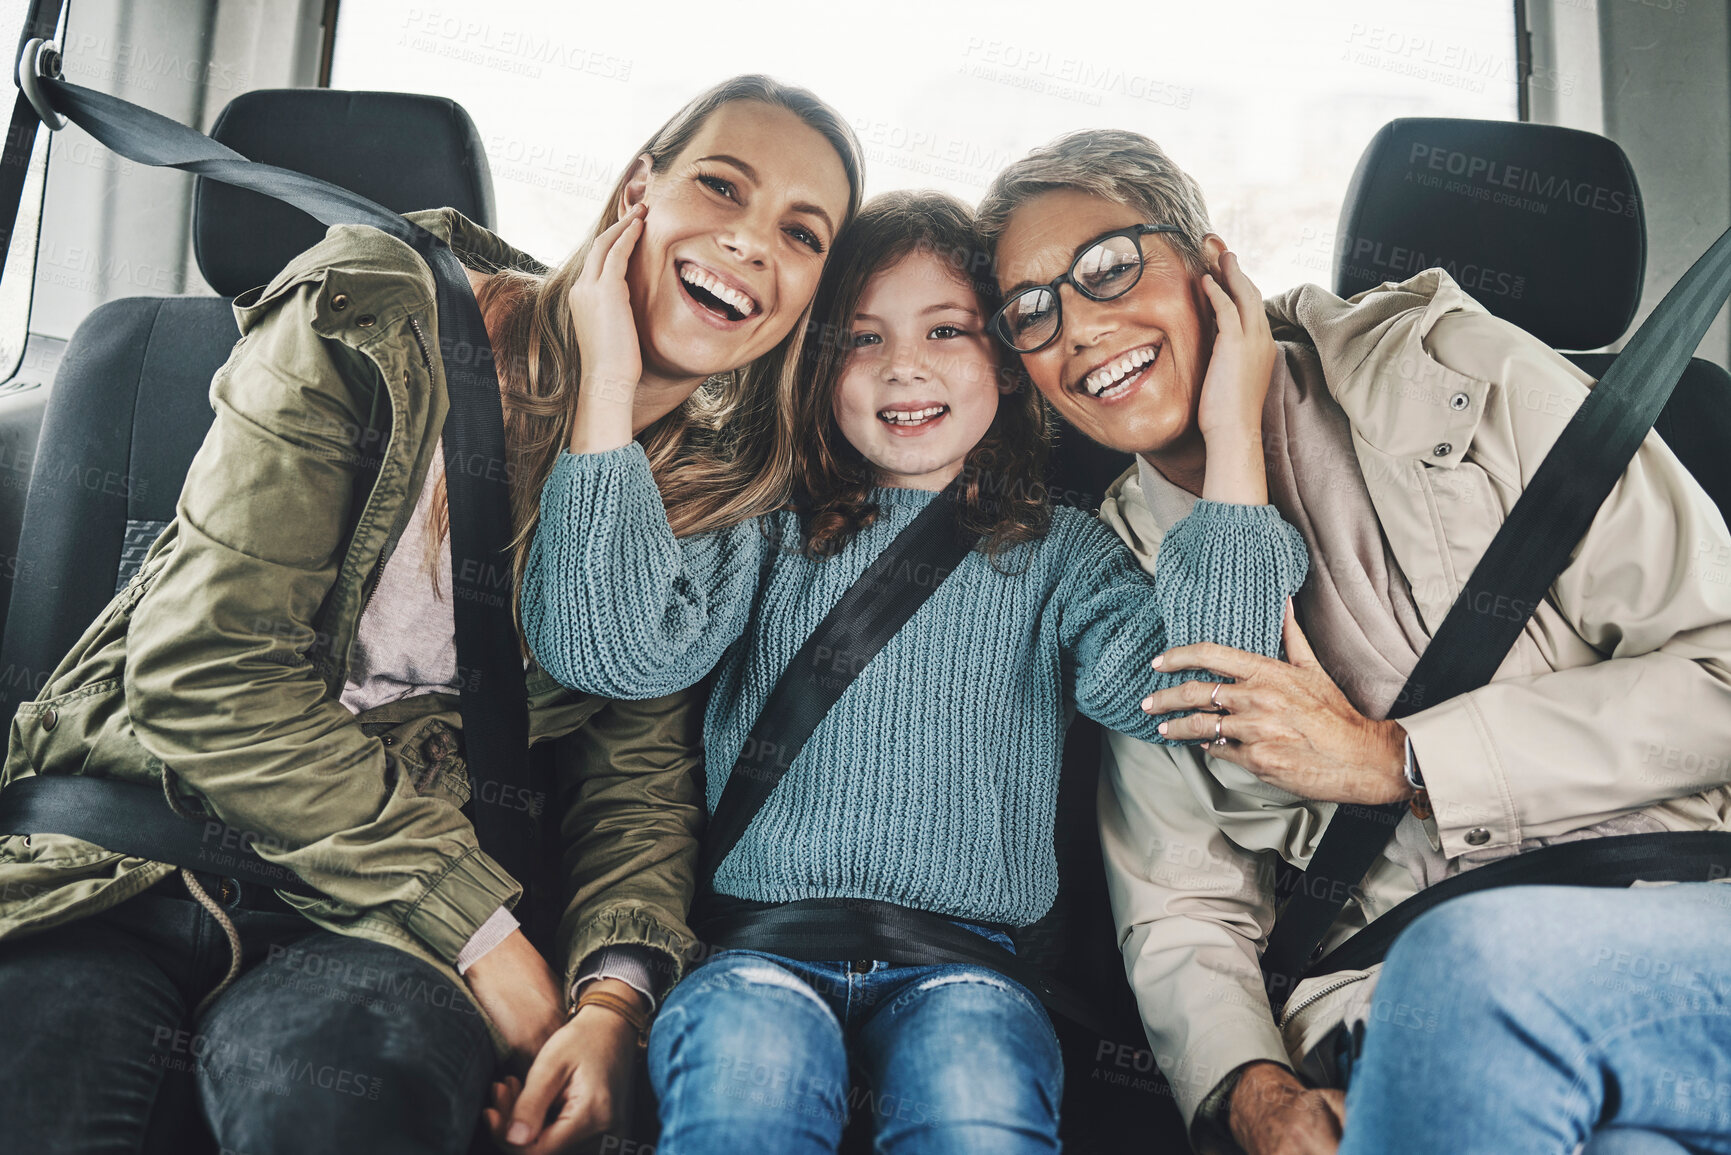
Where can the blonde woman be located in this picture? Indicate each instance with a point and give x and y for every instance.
(284, 662)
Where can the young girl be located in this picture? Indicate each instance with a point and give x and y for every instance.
(933, 781)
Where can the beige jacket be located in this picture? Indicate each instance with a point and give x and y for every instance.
(1612, 712)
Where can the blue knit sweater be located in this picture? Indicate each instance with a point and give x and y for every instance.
(933, 783)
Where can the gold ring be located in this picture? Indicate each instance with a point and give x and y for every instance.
(1214, 698)
(1219, 738)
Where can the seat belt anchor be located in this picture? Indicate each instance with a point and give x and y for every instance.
(39, 61)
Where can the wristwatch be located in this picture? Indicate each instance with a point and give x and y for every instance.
(1420, 802)
(1413, 777)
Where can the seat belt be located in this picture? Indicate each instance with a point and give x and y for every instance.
(1531, 549)
(40, 23)
(868, 615)
(872, 610)
(494, 703)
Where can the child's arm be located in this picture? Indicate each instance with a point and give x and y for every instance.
(1223, 575)
(1224, 572)
(612, 603)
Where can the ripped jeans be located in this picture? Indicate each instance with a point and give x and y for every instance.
(752, 1053)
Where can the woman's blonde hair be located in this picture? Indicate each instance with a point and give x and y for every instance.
(726, 454)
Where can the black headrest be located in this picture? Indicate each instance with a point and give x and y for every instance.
(405, 151)
(1542, 225)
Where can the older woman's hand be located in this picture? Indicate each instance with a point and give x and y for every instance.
(1285, 722)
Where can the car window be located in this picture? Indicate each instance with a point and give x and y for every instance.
(1267, 103)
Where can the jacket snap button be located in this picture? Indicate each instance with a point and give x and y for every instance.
(1478, 836)
(230, 891)
(862, 966)
(389, 740)
(1459, 401)
(50, 719)
(365, 320)
(340, 302)
(1443, 449)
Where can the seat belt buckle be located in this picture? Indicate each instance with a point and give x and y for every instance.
(40, 61)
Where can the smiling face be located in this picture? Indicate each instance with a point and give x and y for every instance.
(734, 241)
(921, 384)
(1126, 372)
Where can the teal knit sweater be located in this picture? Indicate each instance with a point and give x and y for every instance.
(933, 783)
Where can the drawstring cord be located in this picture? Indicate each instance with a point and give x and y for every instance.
(203, 898)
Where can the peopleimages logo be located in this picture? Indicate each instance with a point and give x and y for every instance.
(1373, 260)
(1515, 185)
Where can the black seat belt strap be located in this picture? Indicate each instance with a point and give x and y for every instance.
(872, 610)
(827, 929)
(1617, 860)
(1531, 549)
(131, 818)
(39, 24)
(494, 701)
(868, 615)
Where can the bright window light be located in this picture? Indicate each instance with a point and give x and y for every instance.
(1267, 103)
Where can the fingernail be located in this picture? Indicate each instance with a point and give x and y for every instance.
(1162, 728)
(518, 1135)
(1158, 658)
(1148, 701)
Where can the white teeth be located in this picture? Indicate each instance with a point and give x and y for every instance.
(693, 275)
(1106, 376)
(910, 416)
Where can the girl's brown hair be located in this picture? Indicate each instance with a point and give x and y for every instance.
(1002, 493)
(726, 454)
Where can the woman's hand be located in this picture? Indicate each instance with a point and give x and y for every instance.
(1272, 1113)
(514, 985)
(1229, 415)
(1286, 722)
(607, 344)
(582, 1077)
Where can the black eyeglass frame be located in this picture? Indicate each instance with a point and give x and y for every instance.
(999, 325)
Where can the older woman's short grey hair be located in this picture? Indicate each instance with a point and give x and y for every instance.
(1121, 166)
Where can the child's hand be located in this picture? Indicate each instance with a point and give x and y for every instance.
(1243, 357)
(612, 361)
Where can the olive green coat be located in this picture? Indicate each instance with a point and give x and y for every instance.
(219, 666)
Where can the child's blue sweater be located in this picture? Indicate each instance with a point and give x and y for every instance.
(933, 783)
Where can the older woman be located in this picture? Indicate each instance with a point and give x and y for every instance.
(1392, 443)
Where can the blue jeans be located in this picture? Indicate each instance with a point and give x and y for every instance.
(324, 1043)
(1532, 1020)
(751, 1053)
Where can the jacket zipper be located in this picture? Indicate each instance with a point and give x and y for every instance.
(421, 340)
(1292, 1011)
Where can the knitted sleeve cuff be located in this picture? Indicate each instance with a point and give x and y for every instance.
(1224, 574)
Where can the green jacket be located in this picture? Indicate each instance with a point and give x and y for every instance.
(219, 666)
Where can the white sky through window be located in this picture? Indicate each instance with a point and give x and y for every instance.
(1268, 103)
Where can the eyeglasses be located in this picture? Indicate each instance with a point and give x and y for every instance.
(1108, 268)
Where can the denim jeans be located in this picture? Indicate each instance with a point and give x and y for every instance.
(752, 1053)
(324, 1043)
(1533, 1020)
